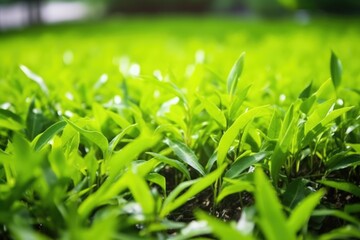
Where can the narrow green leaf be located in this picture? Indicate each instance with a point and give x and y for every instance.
(197, 187)
(130, 152)
(185, 154)
(36, 122)
(342, 162)
(244, 163)
(346, 232)
(306, 92)
(271, 218)
(233, 131)
(274, 126)
(295, 192)
(335, 69)
(234, 75)
(344, 186)
(39, 80)
(172, 162)
(141, 193)
(158, 179)
(237, 187)
(220, 229)
(302, 212)
(5, 114)
(93, 136)
(213, 111)
(49, 134)
(336, 213)
(352, 208)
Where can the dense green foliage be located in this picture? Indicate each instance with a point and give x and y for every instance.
(164, 129)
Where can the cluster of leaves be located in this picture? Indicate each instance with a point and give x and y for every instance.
(144, 163)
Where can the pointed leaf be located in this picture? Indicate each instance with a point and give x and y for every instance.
(271, 218)
(233, 131)
(185, 154)
(302, 212)
(93, 136)
(48, 134)
(335, 69)
(234, 75)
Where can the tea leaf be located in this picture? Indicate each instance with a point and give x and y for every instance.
(335, 69)
(185, 154)
(197, 187)
(344, 186)
(302, 212)
(93, 136)
(271, 219)
(48, 134)
(244, 163)
(229, 136)
(234, 75)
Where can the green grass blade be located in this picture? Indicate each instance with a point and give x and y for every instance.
(234, 75)
(185, 154)
(344, 186)
(335, 69)
(271, 218)
(197, 187)
(302, 212)
(49, 134)
(233, 131)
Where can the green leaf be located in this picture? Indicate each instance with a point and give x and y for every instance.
(271, 218)
(237, 187)
(36, 122)
(172, 162)
(158, 179)
(336, 213)
(302, 212)
(141, 193)
(185, 154)
(244, 163)
(93, 136)
(335, 69)
(352, 208)
(282, 146)
(306, 92)
(233, 131)
(342, 162)
(40, 82)
(274, 126)
(220, 229)
(295, 192)
(213, 111)
(234, 75)
(49, 134)
(346, 232)
(130, 152)
(344, 186)
(10, 120)
(197, 187)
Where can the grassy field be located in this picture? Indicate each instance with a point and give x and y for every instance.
(180, 128)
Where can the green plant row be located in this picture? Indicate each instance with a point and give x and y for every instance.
(167, 161)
